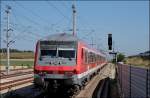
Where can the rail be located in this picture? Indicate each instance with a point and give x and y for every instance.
(15, 79)
(20, 69)
(10, 84)
(15, 74)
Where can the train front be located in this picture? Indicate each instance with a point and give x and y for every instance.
(55, 63)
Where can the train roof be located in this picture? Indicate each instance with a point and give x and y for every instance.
(61, 37)
(67, 37)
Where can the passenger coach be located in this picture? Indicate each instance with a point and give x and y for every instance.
(64, 60)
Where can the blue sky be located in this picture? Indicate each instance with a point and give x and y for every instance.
(128, 21)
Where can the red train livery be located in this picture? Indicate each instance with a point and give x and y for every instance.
(64, 60)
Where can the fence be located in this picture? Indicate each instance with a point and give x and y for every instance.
(134, 81)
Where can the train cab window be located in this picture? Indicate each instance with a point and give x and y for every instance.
(66, 53)
(51, 53)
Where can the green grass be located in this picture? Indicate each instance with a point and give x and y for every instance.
(16, 55)
(18, 63)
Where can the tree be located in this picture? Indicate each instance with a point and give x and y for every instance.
(120, 57)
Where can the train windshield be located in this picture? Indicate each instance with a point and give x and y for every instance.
(54, 53)
(51, 53)
(66, 53)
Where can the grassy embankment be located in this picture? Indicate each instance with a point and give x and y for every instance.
(18, 59)
(138, 61)
(21, 55)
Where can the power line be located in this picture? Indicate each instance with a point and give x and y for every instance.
(80, 18)
(20, 24)
(62, 3)
(27, 33)
(28, 19)
(36, 23)
(43, 27)
(23, 32)
(18, 36)
(23, 26)
(32, 21)
(24, 35)
(60, 12)
(83, 24)
(52, 5)
(33, 13)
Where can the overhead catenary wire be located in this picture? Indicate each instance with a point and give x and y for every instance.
(24, 32)
(32, 21)
(32, 12)
(54, 24)
(27, 27)
(62, 3)
(23, 35)
(16, 29)
(59, 11)
(39, 25)
(80, 20)
(89, 31)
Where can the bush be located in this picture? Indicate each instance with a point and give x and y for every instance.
(120, 57)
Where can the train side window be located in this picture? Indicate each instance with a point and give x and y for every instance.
(83, 56)
(82, 53)
(91, 57)
(86, 57)
(94, 57)
(101, 58)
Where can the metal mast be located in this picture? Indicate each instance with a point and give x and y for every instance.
(74, 18)
(7, 38)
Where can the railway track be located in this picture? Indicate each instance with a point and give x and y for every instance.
(20, 69)
(10, 84)
(22, 76)
(13, 71)
(15, 74)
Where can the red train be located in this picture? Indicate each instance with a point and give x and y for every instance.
(64, 60)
